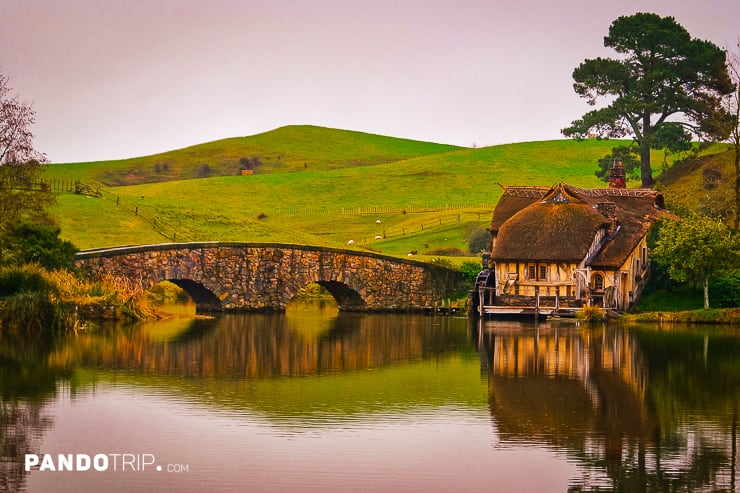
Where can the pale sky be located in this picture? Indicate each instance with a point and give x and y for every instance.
(113, 79)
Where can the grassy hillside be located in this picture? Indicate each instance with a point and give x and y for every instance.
(318, 186)
(286, 149)
(703, 185)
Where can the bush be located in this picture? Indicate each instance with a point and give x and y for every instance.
(446, 252)
(204, 171)
(32, 312)
(592, 314)
(35, 300)
(442, 262)
(725, 292)
(28, 296)
(479, 241)
(37, 243)
(712, 175)
(471, 270)
(31, 277)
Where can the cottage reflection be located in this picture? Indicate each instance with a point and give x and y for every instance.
(590, 392)
(567, 386)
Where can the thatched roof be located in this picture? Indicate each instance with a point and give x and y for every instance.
(561, 222)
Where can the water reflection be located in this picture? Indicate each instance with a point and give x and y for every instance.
(270, 345)
(638, 410)
(28, 379)
(635, 409)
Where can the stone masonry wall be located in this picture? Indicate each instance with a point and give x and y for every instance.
(245, 276)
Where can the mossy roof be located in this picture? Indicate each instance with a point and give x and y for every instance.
(560, 223)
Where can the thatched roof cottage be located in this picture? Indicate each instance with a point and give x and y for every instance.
(563, 247)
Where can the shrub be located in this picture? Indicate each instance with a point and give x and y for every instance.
(28, 311)
(36, 243)
(31, 277)
(442, 262)
(592, 314)
(471, 270)
(712, 175)
(479, 241)
(447, 252)
(35, 300)
(204, 171)
(725, 291)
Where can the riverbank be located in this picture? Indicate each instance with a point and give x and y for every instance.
(701, 316)
(34, 300)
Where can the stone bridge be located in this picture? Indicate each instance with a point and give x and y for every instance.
(265, 276)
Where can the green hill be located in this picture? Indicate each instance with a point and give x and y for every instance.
(286, 149)
(315, 186)
(705, 184)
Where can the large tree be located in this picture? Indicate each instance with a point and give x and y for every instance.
(21, 198)
(698, 249)
(732, 105)
(662, 76)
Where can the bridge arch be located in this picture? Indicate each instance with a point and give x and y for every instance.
(205, 300)
(266, 276)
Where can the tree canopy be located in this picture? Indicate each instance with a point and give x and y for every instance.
(21, 197)
(698, 249)
(731, 104)
(662, 79)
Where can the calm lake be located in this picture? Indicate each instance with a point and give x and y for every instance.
(315, 400)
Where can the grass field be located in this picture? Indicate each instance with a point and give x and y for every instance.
(315, 186)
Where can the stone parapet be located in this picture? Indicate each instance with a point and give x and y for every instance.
(265, 277)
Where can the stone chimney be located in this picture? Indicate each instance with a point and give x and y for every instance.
(617, 176)
(609, 211)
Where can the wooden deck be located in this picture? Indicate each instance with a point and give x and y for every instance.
(531, 311)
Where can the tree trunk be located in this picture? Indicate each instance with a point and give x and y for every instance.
(706, 293)
(737, 184)
(646, 172)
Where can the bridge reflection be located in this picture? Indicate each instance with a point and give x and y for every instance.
(271, 345)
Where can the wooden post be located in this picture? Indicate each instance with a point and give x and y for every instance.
(481, 299)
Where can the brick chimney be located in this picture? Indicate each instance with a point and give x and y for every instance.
(617, 176)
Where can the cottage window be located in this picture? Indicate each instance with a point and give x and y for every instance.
(543, 273)
(598, 282)
(644, 256)
(532, 272)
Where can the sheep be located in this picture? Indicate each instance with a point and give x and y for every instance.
(351, 242)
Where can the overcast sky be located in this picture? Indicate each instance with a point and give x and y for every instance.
(113, 79)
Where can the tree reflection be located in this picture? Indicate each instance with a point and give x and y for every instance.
(27, 379)
(640, 410)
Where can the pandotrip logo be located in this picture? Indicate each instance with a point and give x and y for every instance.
(119, 462)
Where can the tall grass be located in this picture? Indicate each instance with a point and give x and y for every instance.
(592, 314)
(34, 300)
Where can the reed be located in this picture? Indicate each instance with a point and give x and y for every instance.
(34, 300)
(592, 314)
